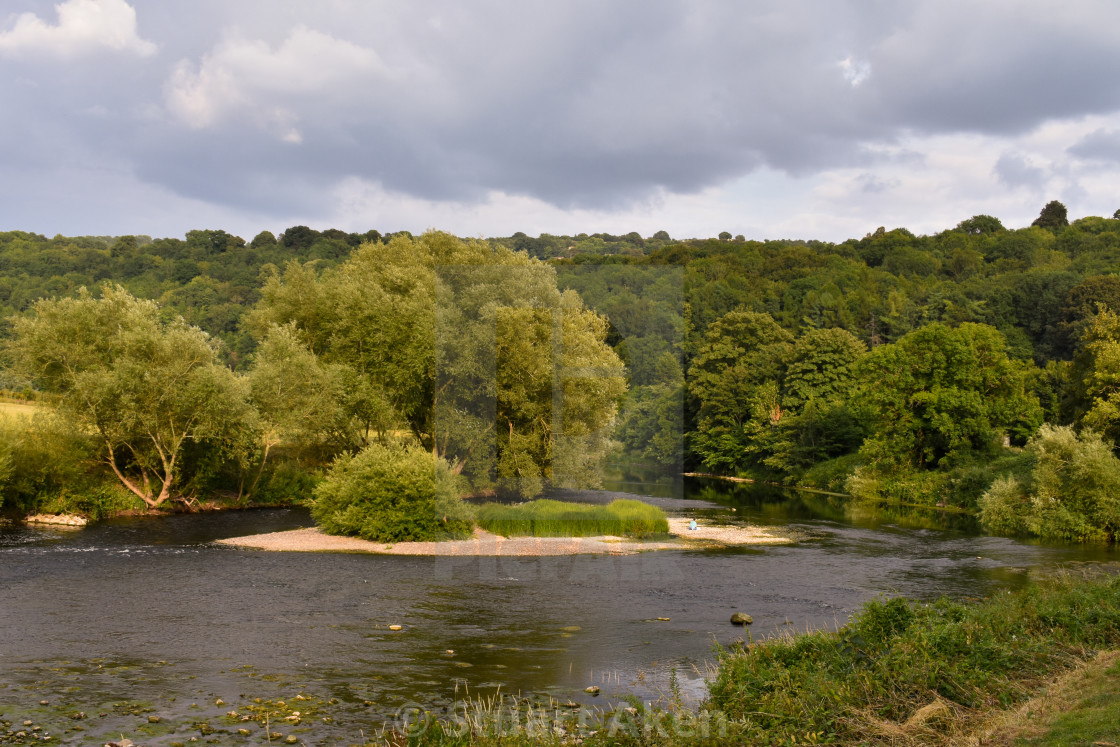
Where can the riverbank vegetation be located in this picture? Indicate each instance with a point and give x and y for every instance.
(894, 367)
(548, 518)
(342, 389)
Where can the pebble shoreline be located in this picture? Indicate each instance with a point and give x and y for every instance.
(484, 543)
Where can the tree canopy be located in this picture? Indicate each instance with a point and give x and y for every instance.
(1052, 217)
(461, 343)
(908, 359)
(148, 387)
(941, 393)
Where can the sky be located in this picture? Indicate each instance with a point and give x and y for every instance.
(787, 119)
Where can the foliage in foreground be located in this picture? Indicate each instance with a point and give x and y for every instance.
(391, 493)
(1072, 491)
(897, 655)
(548, 518)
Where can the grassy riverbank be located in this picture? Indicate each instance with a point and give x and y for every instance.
(548, 518)
(901, 672)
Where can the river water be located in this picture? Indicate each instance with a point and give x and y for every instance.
(145, 616)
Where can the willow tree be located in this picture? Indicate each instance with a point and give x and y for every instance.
(145, 387)
(468, 347)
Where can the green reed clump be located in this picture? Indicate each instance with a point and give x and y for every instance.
(548, 518)
(896, 656)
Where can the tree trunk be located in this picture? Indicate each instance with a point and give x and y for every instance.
(145, 496)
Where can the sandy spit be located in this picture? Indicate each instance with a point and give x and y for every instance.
(484, 543)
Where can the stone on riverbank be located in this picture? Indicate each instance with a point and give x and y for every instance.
(63, 520)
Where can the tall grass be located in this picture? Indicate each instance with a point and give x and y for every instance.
(896, 656)
(547, 518)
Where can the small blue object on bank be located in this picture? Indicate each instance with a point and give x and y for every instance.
(692, 524)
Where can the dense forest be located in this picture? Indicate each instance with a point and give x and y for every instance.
(977, 368)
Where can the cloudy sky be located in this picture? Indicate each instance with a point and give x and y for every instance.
(783, 119)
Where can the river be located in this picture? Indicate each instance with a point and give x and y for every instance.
(142, 617)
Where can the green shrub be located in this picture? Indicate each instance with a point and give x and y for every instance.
(548, 518)
(831, 474)
(959, 487)
(1071, 492)
(41, 458)
(916, 487)
(391, 494)
(968, 483)
(106, 499)
(285, 483)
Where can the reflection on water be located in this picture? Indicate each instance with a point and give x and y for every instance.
(127, 609)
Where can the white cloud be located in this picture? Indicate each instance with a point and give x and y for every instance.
(246, 76)
(84, 26)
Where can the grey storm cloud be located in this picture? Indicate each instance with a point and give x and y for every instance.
(1014, 170)
(267, 104)
(1102, 145)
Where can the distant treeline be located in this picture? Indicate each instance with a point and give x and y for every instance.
(895, 366)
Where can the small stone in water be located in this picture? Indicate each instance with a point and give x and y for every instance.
(244, 732)
(44, 702)
(153, 719)
(592, 690)
(741, 619)
(395, 627)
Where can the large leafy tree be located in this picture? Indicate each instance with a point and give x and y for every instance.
(980, 224)
(734, 380)
(469, 347)
(146, 387)
(300, 399)
(941, 394)
(1052, 217)
(1095, 386)
(818, 418)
